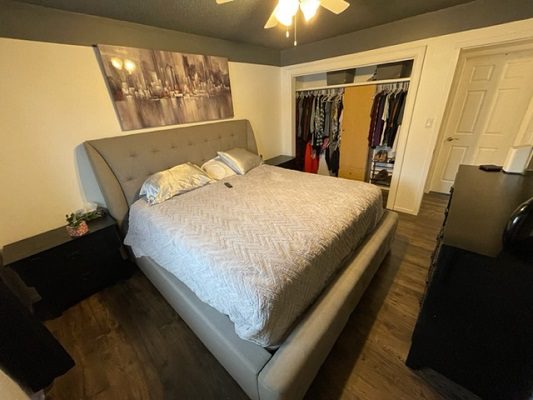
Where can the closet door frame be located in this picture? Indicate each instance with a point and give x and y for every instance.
(361, 60)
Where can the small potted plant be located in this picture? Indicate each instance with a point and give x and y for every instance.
(76, 224)
(77, 221)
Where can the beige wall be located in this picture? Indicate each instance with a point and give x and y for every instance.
(257, 96)
(9, 389)
(429, 90)
(53, 97)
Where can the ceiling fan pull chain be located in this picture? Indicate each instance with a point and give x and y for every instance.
(295, 40)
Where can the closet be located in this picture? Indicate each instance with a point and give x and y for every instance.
(385, 122)
(359, 142)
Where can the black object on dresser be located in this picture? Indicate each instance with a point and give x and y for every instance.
(476, 321)
(65, 270)
(287, 162)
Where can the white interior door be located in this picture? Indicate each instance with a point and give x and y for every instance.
(491, 100)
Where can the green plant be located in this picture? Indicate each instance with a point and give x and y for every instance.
(75, 219)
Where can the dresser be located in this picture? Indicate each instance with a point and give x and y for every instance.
(476, 321)
(65, 270)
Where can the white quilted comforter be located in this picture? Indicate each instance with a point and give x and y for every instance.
(262, 251)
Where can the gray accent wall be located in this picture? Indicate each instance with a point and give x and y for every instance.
(477, 14)
(25, 21)
(30, 22)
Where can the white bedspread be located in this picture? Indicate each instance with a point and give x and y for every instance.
(262, 251)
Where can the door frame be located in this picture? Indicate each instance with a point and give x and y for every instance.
(464, 54)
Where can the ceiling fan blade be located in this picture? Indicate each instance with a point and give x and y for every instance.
(272, 20)
(223, 1)
(335, 6)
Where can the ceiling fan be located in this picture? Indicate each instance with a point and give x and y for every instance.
(286, 10)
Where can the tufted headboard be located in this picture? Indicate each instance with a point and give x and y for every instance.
(122, 163)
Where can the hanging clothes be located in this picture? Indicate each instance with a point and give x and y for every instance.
(333, 160)
(311, 160)
(386, 115)
(396, 106)
(318, 120)
(299, 112)
(376, 130)
(333, 150)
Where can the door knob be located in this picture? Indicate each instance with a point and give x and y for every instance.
(451, 139)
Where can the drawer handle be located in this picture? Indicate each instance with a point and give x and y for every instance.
(74, 254)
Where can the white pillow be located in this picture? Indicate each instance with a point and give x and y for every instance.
(240, 160)
(217, 169)
(182, 178)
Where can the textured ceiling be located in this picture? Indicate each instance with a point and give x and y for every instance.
(243, 20)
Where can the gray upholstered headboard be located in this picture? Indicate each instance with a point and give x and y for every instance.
(122, 163)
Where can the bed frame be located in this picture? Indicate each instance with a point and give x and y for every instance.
(121, 164)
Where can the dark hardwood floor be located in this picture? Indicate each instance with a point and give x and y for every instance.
(129, 344)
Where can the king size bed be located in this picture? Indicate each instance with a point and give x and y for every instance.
(264, 267)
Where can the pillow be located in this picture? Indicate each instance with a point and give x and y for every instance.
(240, 160)
(163, 185)
(217, 169)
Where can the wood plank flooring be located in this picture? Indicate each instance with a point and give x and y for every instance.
(129, 344)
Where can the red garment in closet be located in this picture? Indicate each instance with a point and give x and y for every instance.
(310, 163)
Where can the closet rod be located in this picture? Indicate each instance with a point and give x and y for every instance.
(328, 91)
(393, 86)
(355, 84)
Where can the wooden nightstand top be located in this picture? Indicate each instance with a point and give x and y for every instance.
(278, 160)
(48, 240)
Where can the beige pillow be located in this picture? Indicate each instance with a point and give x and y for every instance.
(182, 178)
(240, 160)
(217, 169)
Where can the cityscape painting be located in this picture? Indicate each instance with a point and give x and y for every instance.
(155, 88)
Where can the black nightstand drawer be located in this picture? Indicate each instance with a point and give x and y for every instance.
(69, 289)
(71, 258)
(65, 270)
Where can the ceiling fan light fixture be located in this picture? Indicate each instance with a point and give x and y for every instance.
(286, 10)
(309, 8)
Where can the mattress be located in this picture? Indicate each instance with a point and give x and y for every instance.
(261, 250)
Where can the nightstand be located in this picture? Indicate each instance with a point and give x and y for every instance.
(65, 270)
(282, 161)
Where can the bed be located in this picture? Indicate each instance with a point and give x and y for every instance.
(285, 370)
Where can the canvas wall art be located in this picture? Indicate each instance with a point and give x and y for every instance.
(155, 88)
